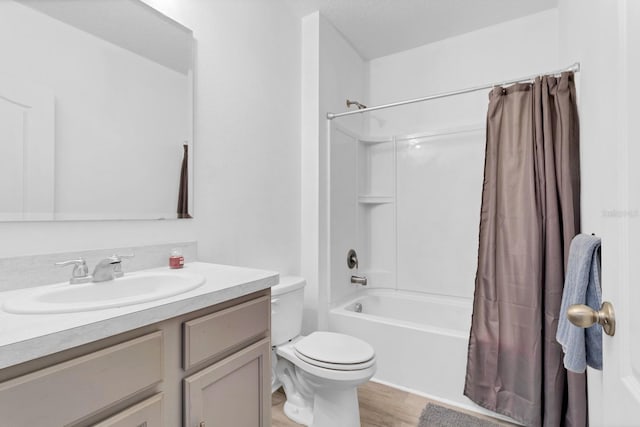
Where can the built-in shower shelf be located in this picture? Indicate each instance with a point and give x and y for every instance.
(375, 200)
(373, 140)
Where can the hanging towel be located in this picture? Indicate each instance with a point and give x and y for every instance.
(581, 346)
(183, 191)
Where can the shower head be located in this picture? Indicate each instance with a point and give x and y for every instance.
(356, 103)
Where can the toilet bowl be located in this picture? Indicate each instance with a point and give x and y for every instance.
(320, 372)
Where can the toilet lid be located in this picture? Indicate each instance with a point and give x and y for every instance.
(334, 349)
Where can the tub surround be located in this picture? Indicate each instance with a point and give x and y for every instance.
(26, 337)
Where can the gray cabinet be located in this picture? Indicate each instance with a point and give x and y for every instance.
(233, 392)
(70, 392)
(230, 351)
(211, 365)
(226, 330)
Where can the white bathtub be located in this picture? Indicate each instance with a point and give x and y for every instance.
(420, 340)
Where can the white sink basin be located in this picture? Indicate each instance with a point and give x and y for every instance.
(133, 288)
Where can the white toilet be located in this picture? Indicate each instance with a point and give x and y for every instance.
(320, 373)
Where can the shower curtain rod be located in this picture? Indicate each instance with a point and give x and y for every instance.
(575, 68)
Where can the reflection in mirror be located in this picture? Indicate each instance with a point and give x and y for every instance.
(95, 111)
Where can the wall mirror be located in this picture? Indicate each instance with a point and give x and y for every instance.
(96, 111)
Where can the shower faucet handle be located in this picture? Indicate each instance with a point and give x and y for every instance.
(352, 259)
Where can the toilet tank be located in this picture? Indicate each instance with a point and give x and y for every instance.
(287, 302)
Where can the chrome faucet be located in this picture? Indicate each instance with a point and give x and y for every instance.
(359, 280)
(106, 269)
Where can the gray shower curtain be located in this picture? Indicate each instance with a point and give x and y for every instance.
(530, 212)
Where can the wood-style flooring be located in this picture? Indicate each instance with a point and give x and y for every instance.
(380, 406)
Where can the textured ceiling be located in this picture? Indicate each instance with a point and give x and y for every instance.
(381, 27)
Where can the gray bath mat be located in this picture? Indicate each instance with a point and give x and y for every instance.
(439, 416)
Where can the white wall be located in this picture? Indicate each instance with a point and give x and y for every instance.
(332, 72)
(310, 169)
(439, 179)
(29, 238)
(247, 153)
(343, 212)
(247, 149)
(343, 75)
(509, 50)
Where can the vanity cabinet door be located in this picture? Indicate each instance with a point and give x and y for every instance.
(233, 392)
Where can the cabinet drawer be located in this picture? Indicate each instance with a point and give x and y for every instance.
(147, 413)
(211, 335)
(70, 391)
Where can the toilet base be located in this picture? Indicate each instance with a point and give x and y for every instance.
(336, 405)
(327, 408)
(300, 414)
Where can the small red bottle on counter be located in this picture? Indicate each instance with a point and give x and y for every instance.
(176, 260)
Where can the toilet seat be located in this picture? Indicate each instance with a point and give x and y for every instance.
(337, 366)
(288, 352)
(335, 351)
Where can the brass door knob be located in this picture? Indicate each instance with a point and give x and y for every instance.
(584, 316)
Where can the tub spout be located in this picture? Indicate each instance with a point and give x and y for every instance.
(359, 280)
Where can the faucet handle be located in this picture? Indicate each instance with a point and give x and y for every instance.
(121, 257)
(80, 273)
(117, 266)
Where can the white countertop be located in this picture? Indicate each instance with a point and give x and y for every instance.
(26, 337)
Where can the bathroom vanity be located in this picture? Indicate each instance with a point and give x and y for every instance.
(198, 359)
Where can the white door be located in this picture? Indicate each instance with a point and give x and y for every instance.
(614, 394)
(27, 144)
